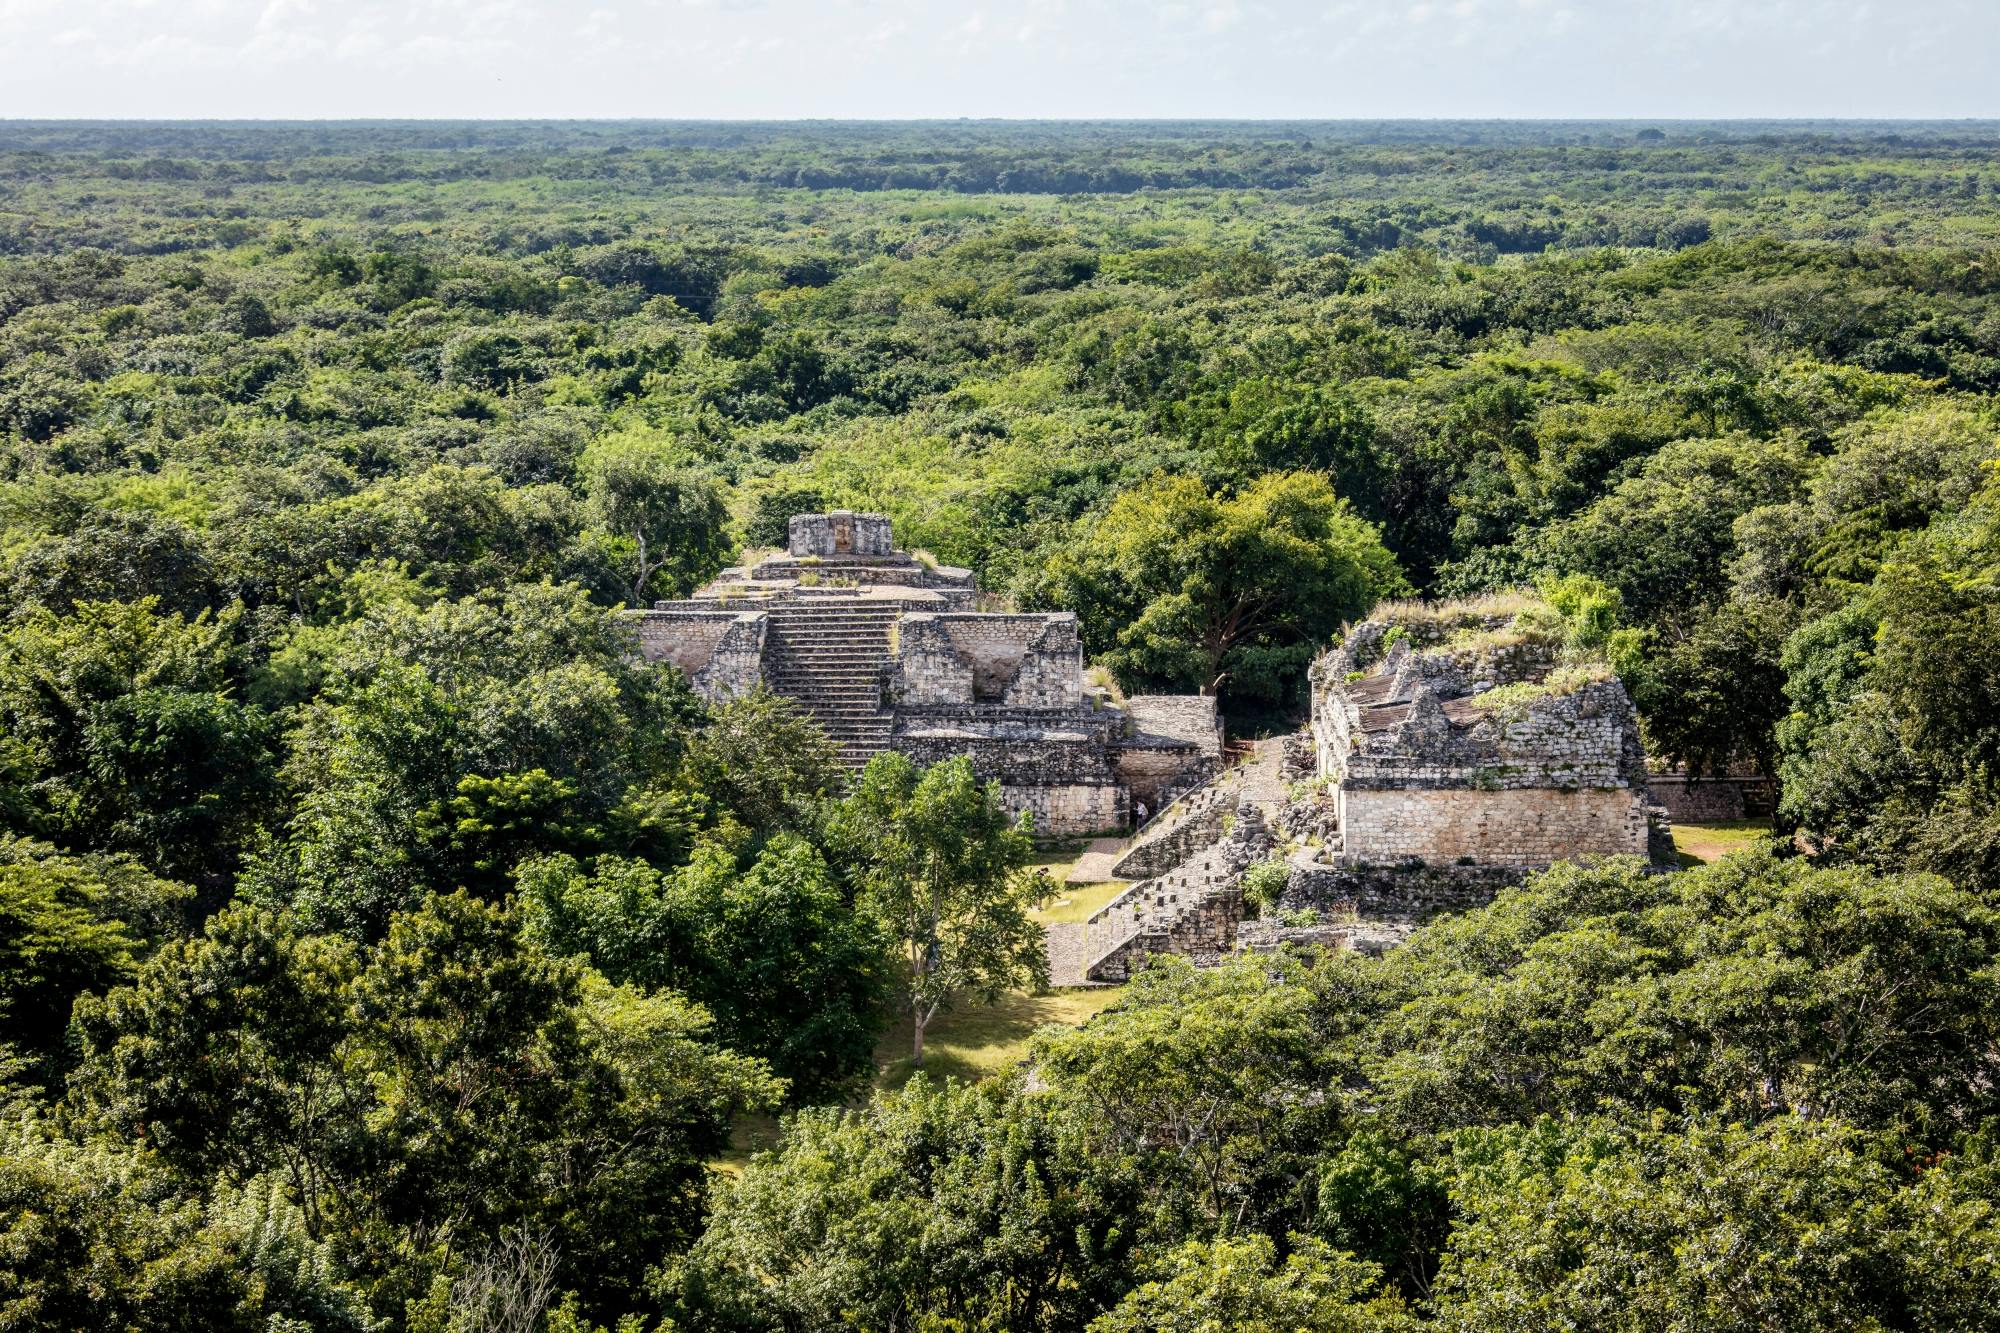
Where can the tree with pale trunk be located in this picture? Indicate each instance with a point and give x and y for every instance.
(943, 866)
(666, 522)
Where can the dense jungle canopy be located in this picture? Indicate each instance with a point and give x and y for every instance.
(382, 948)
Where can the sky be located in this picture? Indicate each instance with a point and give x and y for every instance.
(782, 59)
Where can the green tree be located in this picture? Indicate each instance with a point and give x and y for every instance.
(451, 741)
(1180, 587)
(1716, 693)
(938, 861)
(939, 1205)
(68, 926)
(1241, 1286)
(763, 757)
(1794, 1224)
(770, 946)
(1212, 1081)
(668, 523)
(123, 733)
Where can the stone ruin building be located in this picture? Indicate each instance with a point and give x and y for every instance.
(1479, 752)
(1449, 753)
(888, 652)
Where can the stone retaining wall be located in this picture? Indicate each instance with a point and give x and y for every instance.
(1405, 895)
(1158, 855)
(1520, 827)
(720, 652)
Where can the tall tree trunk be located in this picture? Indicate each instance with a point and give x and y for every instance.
(917, 1017)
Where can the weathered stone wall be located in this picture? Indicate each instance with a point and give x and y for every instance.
(1708, 801)
(1173, 745)
(1050, 673)
(1512, 827)
(1586, 738)
(1406, 895)
(1157, 772)
(1020, 661)
(1156, 856)
(1068, 812)
(1181, 717)
(684, 638)
(841, 532)
(930, 672)
(737, 665)
(954, 660)
(720, 652)
(1063, 775)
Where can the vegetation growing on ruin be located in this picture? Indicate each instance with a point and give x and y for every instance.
(372, 929)
(1515, 699)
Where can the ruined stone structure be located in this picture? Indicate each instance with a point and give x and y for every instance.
(1448, 755)
(1476, 754)
(887, 652)
(1741, 793)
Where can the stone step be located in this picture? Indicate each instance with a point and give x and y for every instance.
(832, 630)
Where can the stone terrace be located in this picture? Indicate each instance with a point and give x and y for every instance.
(884, 650)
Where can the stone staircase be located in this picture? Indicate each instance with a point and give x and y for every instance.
(831, 660)
(1192, 910)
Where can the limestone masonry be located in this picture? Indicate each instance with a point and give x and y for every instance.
(1477, 750)
(888, 652)
(1451, 750)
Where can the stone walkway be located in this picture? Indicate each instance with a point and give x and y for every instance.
(1067, 955)
(1094, 866)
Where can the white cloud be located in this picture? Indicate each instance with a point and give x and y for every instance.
(1032, 58)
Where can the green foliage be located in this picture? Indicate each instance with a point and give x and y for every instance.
(1181, 588)
(791, 972)
(314, 508)
(70, 925)
(122, 733)
(1264, 882)
(937, 1205)
(944, 869)
(667, 522)
(1725, 1227)
(1239, 1284)
(436, 1088)
(451, 741)
(1213, 1084)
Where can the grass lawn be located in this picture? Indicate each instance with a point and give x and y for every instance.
(975, 1040)
(969, 1042)
(1057, 861)
(1077, 901)
(1699, 844)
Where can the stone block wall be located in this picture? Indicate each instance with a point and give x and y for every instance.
(1063, 776)
(1406, 895)
(956, 659)
(1050, 674)
(841, 532)
(736, 666)
(1181, 717)
(1511, 827)
(1708, 801)
(1586, 738)
(1068, 812)
(1156, 772)
(1157, 855)
(930, 671)
(720, 652)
